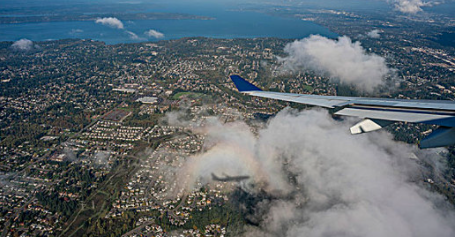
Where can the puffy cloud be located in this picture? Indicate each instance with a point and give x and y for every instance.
(22, 44)
(342, 60)
(111, 22)
(348, 185)
(154, 33)
(116, 23)
(374, 34)
(410, 6)
(325, 182)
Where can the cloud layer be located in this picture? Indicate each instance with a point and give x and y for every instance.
(343, 185)
(154, 33)
(341, 60)
(348, 185)
(22, 45)
(111, 22)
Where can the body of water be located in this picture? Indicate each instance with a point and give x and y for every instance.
(226, 24)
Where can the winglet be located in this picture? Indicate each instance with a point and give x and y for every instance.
(242, 85)
(443, 136)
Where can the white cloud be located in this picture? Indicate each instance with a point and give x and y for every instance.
(111, 22)
(22, 44)
(154, 33)
(351, 186)
(410, 6)
(374, 34)
(344, 185)
(116, 23)
(133, 36)
(342, 60)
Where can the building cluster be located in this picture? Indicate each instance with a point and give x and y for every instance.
(114, 131)
(162, 183)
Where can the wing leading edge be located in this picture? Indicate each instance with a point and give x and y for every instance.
(377, 112)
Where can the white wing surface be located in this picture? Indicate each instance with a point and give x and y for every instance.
(377, 112)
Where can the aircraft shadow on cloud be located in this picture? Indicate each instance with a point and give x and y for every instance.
(376, 112)
(228, 178)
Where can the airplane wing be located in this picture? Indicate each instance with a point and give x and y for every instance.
(377, 112)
